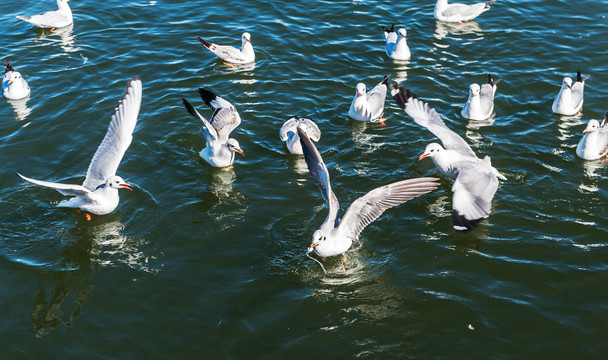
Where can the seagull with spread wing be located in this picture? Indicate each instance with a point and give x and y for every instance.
(219, 150)
(289, 133)
(98, 194)
(336, 235)
(476, 180)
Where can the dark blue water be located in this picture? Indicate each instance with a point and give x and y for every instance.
(205, 263)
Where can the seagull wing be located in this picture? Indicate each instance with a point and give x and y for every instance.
(289, 126)
(376, 98)
(370, 206)
(312, 129)
(426, 116)
(64, 189)
(107, 158)
(208, 131)
(225, 117)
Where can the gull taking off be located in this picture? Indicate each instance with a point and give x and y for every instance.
(480, 104)
(594, 143)
(569, 100)
(233, 54)
(460, 12)
(369, 106)
(396, 43)
(98, 194)
(476, 180)
(336, 235)
(14, 86)
(289, 133)
(219, 150)
(52, 19)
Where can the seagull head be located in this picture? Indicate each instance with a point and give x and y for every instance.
(592, 125)
(233, 146)
(567, 82)
(431, 150)
(116, 182)
(246, 37)
(361, 89)
(403, 33)
(317, 238)
(474, 90)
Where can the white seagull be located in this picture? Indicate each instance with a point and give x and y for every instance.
(396, 43)
(219, 150)
(368, 106)
(336, 235)
(14, 86)
(98, 194)
(594, 143)
(569, 100)
(52, 19)
(459, 12)
(476, 179)
(480, 104)
(289, 133)
(232, 54)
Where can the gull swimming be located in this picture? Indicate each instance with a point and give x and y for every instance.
(480, 104)
(233, 54)
(52, 19)
(219, 150)
(369, 106)
(289, 133)
(569, 100)
(458, 12)
(396, 43)
(98, 194)
(594, 143)
(14, 86)
(335, 235)
(476, 180)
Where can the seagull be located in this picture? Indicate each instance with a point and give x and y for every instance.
(233, 54)
(368, 106)
(336, 235)
(476, 180)
(396, 43)
(480, 104)
(52, 19)
(98, 194)
(594, 143)
(14, 86)
(289, 133)
(460, 12)
(219, 150)
(569, 100)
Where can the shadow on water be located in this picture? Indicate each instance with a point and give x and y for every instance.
(20, 108)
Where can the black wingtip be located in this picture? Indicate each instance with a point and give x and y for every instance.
(190, 108)
(8, 67)
(463, 224)
(493, 82)
(579, 78)
(402, 96)
(392, 29)
(385, 80)
(207, 96)
(206, 43)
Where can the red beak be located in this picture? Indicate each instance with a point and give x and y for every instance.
(423, 156)
(126, 186)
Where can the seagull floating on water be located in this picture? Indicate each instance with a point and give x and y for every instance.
(98, 194)
(594, 143)
(14, 86)
(458, 12)
(480, 104)
(396, 43)
(52, 19)
(289, 133)
(233, 54)
(569, 100)
(219, 150)
(336, 235)
(369, 106)
(476, 180)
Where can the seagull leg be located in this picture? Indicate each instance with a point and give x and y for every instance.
(381, 122)
(229, 64)
(579, 113)
(86, 216)
(459, 26)
(342, 268)
(52, 30)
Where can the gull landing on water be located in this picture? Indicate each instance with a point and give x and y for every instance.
(14, 86)
(594, 143)
(289, 133)
(458, 12)
(480, 104)
(232, 54)
(219, 150)
(336, 235)
(476, 180)
(569, 100)
(368, 106)
(52, 19)
(98, 194)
